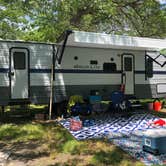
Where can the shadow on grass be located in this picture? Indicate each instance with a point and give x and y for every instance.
(18, 114)
(25, 151)
(6, 119)
(74, 162)
(28, 156)
(26, 142)
(110, 157)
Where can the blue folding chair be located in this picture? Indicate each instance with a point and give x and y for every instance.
(119, 102)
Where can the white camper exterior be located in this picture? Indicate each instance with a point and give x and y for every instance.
(94, 61)
(24, 72)
(85, 62)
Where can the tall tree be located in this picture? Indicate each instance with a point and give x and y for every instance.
(45, 20)
(12, 20)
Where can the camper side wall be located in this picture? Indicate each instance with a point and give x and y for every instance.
(4, 77)
(38, 72)
(82, 70)
(85, 69)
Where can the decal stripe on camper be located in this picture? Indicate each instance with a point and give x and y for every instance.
(6, 70)
(88, 71)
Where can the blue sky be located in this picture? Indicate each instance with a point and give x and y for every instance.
(162, 1)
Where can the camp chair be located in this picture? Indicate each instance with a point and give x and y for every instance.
(77, 106)
(97, 105)
(119, 102)
(73, 100)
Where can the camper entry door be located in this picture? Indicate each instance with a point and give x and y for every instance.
(128, 74)
(19, 77)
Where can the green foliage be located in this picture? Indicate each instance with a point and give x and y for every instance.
(8, 131)
(45, 20)
(163, 52)
(12, 19)
(73, 147)
(11, 132)
(112, 157)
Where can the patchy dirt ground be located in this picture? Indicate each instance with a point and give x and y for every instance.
(61, 149)
(29, 143)
(35, 153)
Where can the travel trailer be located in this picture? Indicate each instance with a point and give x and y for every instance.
(83, 62)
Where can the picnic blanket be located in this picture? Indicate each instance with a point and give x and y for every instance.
(123, 131)
(106, 123)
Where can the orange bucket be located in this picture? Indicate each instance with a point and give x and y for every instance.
(157, 105)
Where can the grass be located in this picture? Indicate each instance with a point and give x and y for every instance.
(13, 132)
(49, 143)
(58, 143)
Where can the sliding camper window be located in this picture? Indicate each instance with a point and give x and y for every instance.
(149, 68)
(19, 60)
(109, 67)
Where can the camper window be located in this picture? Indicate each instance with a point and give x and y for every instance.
(109, 67)
(149, 68)
(19, 60)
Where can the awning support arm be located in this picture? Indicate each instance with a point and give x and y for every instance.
(67, 33)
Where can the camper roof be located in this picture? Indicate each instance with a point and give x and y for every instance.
(101, 40)
(22, 41)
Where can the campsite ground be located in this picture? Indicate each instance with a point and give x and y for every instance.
(41, 143)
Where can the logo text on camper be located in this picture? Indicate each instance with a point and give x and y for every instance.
(86, 66)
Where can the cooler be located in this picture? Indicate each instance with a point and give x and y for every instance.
(154, 141)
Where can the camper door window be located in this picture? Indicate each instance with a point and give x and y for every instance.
(19, 60)
(128, 64)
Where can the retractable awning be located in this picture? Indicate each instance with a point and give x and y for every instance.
(101, 40)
